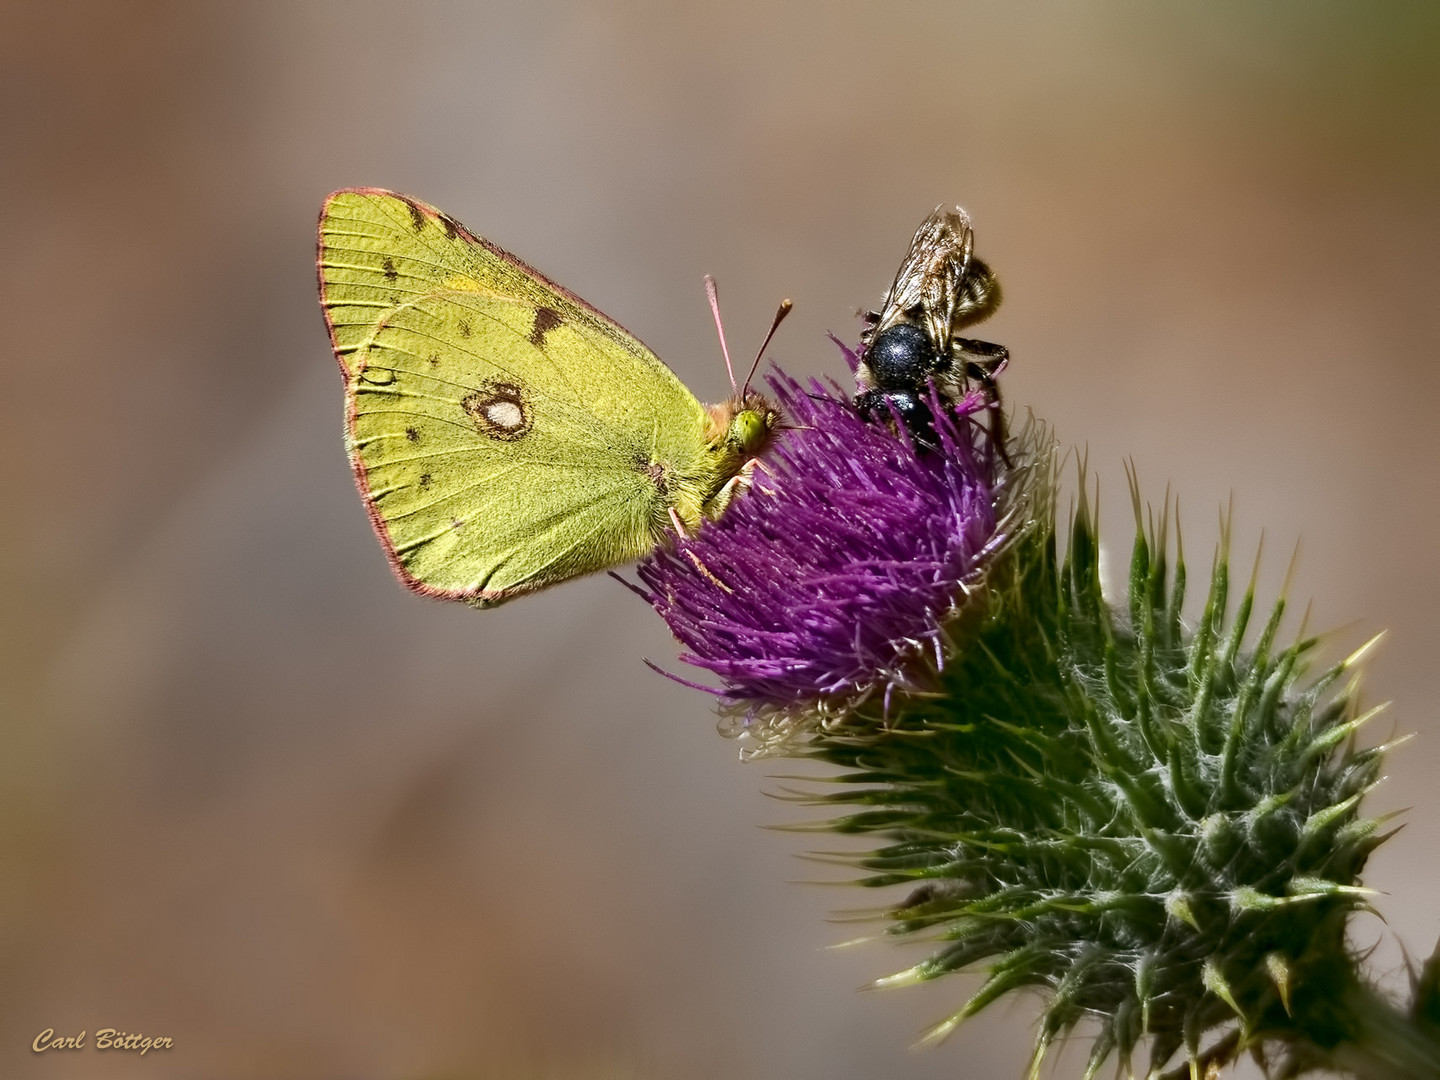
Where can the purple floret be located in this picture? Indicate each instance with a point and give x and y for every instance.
(834, 576)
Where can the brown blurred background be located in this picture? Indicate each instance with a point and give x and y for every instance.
(258, 798)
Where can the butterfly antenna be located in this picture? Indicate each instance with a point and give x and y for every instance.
(714, 296)
(785, 308)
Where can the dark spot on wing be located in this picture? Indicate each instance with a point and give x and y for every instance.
(424, 480)
(452, 229)
(412, 434)
(377, 376)
(499, 410)
(417, 216)
(465, 328)
(434, 359)
(546, 320)
(389, 268)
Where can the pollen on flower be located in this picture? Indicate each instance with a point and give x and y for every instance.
(834, 582)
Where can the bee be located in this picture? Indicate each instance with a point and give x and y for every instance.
(939, 290)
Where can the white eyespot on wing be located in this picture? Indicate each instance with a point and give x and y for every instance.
(504, 414)
(499, 410)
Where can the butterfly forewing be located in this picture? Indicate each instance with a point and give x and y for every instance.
(504, 434)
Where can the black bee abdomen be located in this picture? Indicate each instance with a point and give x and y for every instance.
(901, 358)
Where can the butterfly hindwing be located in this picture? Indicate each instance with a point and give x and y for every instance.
(504, 434)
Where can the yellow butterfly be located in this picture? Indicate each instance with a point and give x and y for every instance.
(505, 435)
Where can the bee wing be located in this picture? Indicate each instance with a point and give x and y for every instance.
(930, 276)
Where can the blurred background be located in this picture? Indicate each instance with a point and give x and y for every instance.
(260, 799)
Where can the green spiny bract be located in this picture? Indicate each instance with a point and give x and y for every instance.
(1157, 825)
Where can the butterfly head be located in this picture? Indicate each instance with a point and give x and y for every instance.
(752, 423)
(741, 430)
(743, 426)
(738, 432)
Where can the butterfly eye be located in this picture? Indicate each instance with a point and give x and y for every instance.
(748, 430)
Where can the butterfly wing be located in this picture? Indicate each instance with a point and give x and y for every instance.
(505, 435)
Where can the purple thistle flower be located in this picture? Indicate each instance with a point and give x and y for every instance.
(836, 576)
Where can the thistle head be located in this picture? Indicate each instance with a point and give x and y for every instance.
(838, 581)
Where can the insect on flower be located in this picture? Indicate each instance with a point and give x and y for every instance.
(939, 290)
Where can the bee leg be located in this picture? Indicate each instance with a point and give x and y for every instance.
(983, 361)
(869, 320)
(998, 434)
(980, 358)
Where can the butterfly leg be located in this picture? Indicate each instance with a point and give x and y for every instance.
(738, 483)
(679, 527)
